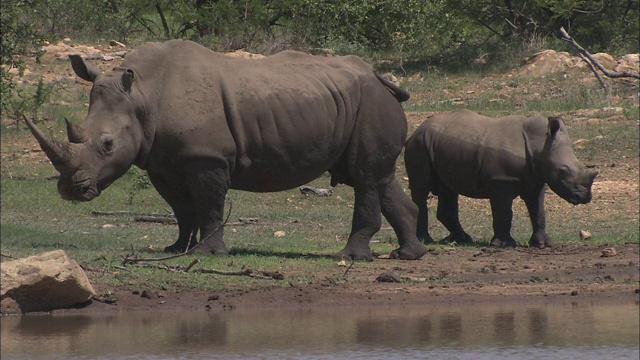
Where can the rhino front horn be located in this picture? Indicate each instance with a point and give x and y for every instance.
(55, 152)
(75, 133)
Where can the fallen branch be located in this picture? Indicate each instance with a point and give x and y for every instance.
(242, 272)
(114, 213)
(593, 62)
(163, 219)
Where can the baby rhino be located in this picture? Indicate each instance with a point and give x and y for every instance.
(466, 153)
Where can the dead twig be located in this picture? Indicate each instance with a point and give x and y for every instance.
(163, 219)
(349, 267)
(124, 212)
(534, 252)
(591, 61)
(242, 272)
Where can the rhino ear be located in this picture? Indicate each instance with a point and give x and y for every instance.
(84, 70)
(127, 79)
(554, 125)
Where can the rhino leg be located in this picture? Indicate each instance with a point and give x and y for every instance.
(401, 214)
(419, 197)
(448, 215)
(535, 207)
(208, 183)
(501, 200)
(180, 202)
(367, 220)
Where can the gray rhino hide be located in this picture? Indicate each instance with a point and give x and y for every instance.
(466, 153)
(201, 122)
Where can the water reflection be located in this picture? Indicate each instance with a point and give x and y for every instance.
(519, 330)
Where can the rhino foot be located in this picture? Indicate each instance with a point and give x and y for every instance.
(541, 240)
(409, 252)
(174, 249)
(461, 238)
(351, 254)
(210, 250)
(508, 242)
(425, 238)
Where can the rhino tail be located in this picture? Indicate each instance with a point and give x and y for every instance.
(390, 82)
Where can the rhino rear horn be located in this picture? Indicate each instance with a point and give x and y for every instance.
(54, 150)
(75, 133)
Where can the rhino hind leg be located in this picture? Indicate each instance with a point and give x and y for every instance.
(386, 199)
(419, 197)
(208, 183)
(367, 220)
(448, 215)
(401, 213)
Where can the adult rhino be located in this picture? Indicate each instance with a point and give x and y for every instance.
(466, 153)
(201, 123)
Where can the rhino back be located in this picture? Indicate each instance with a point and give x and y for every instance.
(469, 151)
(270, 119)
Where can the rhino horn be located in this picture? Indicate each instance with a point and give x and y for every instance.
(75, 133)
(54, 150)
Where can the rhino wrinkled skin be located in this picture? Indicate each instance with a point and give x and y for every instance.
(496, 158)
(201, 123)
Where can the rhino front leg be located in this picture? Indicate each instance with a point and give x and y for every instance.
(208, 183)
(419, 197)
(401, 214)
(448, 215)
(180, 202)
(535, 207)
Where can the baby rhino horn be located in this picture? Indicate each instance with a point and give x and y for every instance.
(75, 133)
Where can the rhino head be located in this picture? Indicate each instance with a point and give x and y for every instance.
(103, 149)
(561, 169)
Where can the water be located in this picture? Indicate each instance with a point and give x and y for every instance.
(520, 330)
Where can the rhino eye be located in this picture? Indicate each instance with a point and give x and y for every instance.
(107, 143)
(565, 172)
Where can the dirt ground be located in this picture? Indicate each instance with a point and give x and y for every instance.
(444, 275)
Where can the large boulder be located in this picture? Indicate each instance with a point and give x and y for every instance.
(43, 282)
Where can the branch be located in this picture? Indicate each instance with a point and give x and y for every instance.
(566, 37)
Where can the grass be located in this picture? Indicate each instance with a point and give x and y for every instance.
(34, 219)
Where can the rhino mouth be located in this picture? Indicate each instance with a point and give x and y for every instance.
(580, 196)
(78, 190)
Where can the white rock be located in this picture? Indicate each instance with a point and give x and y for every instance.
(43, 282)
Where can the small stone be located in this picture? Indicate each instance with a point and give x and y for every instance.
(584, 235)
(389, 277)
(279, 234)
(147, 294)
(609, 252)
